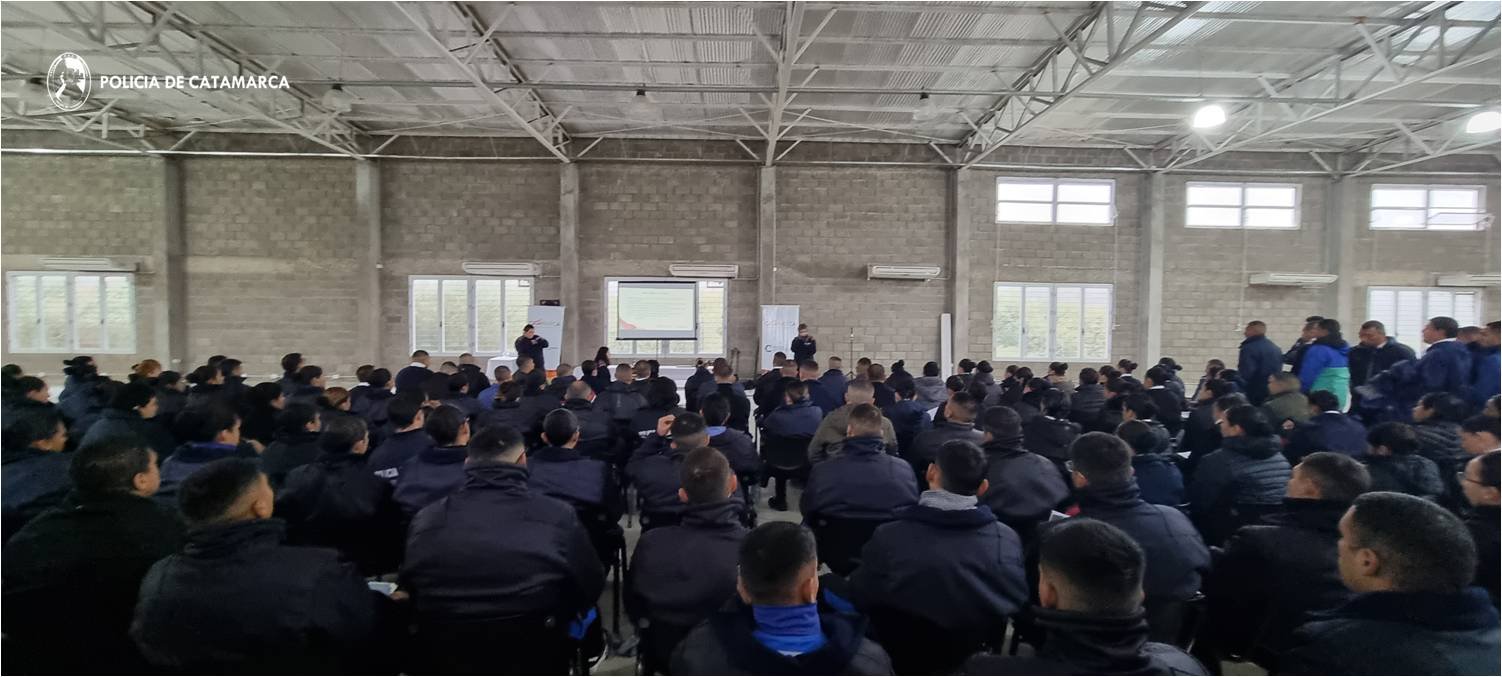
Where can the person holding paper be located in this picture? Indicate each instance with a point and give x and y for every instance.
(531, 345)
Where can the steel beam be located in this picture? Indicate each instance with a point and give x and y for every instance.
(471, 15)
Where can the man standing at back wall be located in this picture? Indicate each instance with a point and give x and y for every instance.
(804, 346)
(531, 345)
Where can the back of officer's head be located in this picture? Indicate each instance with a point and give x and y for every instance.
(501, 443)
(226, 490)
(779, 565)
(705, 476)
(1090, 567)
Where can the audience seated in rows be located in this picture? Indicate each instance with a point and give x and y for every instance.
(830, 436)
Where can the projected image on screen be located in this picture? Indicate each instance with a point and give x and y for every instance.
(657, 310)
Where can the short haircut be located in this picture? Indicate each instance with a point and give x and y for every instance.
(688, 429)
(341, 434)
(109, 466)
(772, 560)
(1446, 325)
(1288, 379)
(32, 425)
(1330, 325)
(308, 373)
(419, 353)
(30, 384)
(501, 373)
(835, 360)
(1427, 548)
(1089, 376)
(508, 391)
(524, 360)
(295, 417)
(723, 369)
(1251, 420)
(1399, 438)
(967, 365)
(1489, 469)
(1001, 422)
(203, 423)
(1024, 374)
(795, 390)
(1482, 424)
(1339, 477)
(457, 383)
(1226, 403)
(1140, 405)
(954, 383)
(559, 426)
(1100, 564)
(579, 390)
(965, 404)
(802, 326)
(402, 409)
(662, 393)
(641, 369)
(1159, 375)
(1219, 388)
(1313, 319)
(1495, 325)
(443, 424)
(563, 369)
(1101, 458)
(1139, 436)
(497, 443)
(963, 467)
(704, 475)
(528, 328)
(290, 361)
(378, 378)
(132, 395)
(715, 409)
(861, 388)
(930, 368)
(362, 372)
(906, 389)
(1373, 324)
(1325, 400)
(1445, 407)
(811, 366)
(207, 494)
(865, 420)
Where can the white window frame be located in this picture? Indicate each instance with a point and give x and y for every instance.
(1054, 201)
(1412, 340)
(72, 348)
(1242, 206)
(1428, 189)
(662, 350)
(508, 348)
(1053, 320)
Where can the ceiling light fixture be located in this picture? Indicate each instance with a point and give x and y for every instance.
(926, 110)
(641, 107)
(1208, 116)
(338, 100)
(1485, 121)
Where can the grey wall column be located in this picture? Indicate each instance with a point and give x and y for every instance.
(368, 212)
(568, 259)
(766, 254)
(170, 320)
(959, 229)
(1150, 261)
(1340, 250)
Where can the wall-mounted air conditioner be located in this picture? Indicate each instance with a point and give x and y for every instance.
(93, 264)
(1292, 279)
(502, 268)
(725, 270)
(876, 272)
(1465, 280)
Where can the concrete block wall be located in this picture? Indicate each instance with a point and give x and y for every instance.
(831, 223)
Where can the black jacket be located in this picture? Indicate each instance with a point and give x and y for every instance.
(681, 574)
(1269, 576)
(1245, 475)
(926, 445)
(1024, 485)
(1082, 644)
(1086, 402)
(1438, 440)
(1159, 479)
(1365, 362)
(386, 460)
(739, 449)
(1176, 555)
(740, 405)
(909, 419)
(31, 482)
(1406, 474)
(79, 567)
(533, 348)
(571, 477)
(435, 472)
(863, 482)
(955, 568)
(524, 419)
(883, 393)
(1201, 435)
(1485, 523)
(597, 434)
(1400, 633)
(1049, 437)
(1330, 431)
(454, 545)
(1259, 358)
(726, 645)
(1170, 405)
(287, 453)
(237, 600)
(691, 387)
(336, 502)
(825, 399)
(118, 422)
(411, 377)
(189, 458)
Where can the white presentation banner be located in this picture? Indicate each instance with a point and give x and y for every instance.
(779, 325)
(548, 321)
(657, 310)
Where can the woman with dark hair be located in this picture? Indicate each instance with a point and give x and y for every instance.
(1058, 375)
(602, 358)
(1011, 396)
(1243, 480)
(1394, 464)
(900, 376)
(1050, 433)
(291, 362)
(661, 395)
(234, 381)
(930, 386)
(263, 402)
(1171, 370)
(1127, 367)
(8, 375)
(310, 382)
(1212, 371)
(78, 387)
(1088, 399)
(171, 395)
(132, 410)
(208, 386)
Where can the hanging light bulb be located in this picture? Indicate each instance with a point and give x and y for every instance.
(338, 100)
(1208, 116)
(926, 110)
(1485, 121)
(641, 107)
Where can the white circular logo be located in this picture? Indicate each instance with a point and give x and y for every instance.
(68, 82)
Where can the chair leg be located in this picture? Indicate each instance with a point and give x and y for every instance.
(615, 595)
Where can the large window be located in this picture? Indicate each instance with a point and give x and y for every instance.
(712, 314)
(1405, 310)
(1420, 207)
(1241, 205)
(72, 312)
(1057, 201)
(1051, 322)
(450, 315)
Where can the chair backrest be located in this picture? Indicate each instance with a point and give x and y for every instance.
(840, 540)
(919, 646)
(785, 453)
(656, 643)
(529, 644)
(1175, 621)
(605, 532)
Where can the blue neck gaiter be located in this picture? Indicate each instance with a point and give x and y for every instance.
(789, 630)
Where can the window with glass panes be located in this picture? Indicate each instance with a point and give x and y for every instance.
(1088, 202)
(449, 315)
(72, 312)
(1241, 205)
(1426, 207)
(1051, 321)
(1404, 311)
(714, 300)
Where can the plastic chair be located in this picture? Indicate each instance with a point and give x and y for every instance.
(783, 459)
(518, 645)
(840, 540)
(1176, 621)
(919, 646)
(655, 644)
